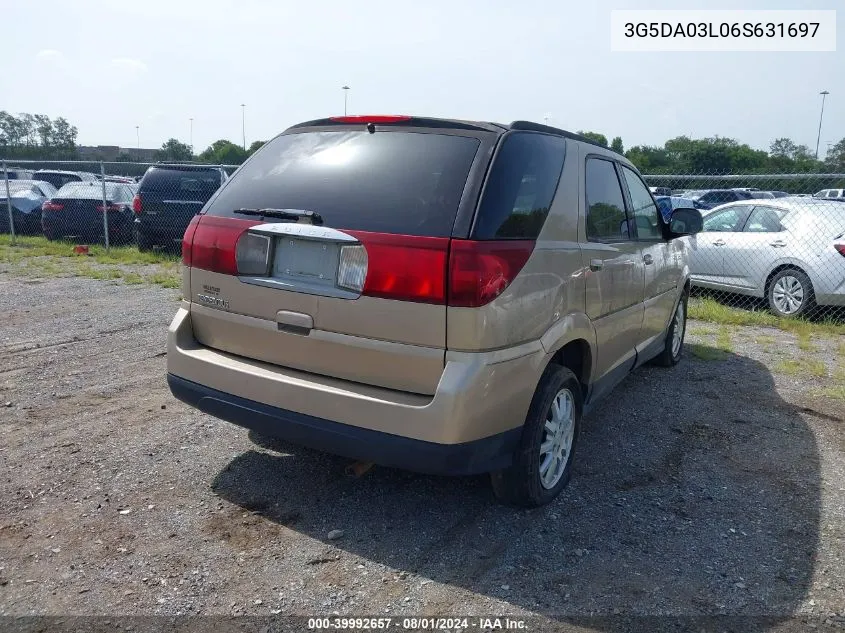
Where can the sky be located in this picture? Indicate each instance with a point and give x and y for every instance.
(111, 65)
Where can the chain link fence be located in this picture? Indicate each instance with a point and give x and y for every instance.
(770, 241)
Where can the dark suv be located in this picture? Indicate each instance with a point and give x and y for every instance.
(168, 198)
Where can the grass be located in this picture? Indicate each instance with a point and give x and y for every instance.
(794, 367)
(723, 339)
(702, 331)
(836, 392)
(706, 352)
(708, 309)
(38, 257)
(765, 339)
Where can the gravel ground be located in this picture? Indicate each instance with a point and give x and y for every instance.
(717, 487)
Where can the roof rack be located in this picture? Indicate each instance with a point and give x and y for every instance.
(539, 127)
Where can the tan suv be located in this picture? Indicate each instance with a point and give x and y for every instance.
(435, 295)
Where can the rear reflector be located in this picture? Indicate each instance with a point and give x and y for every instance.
(136, 204)
(52, 206)
(479, 271)
(214, 243)
(371, 118)
(188, 240)
(352, 269)
(403, 267)
(252, 254)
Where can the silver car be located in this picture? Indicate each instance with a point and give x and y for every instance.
(783, 250)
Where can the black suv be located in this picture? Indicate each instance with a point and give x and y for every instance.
(168, 198)
(714, 197)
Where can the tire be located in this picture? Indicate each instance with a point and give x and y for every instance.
(673, 348)
(790, 293)
(522, 484)
(143, 240)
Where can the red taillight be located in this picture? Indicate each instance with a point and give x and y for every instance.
(405, 267)
(136, 204)
(213, 243)
(480, 271)
(52, 206)
(371, 118)
(188, 240)
(840, 248)
(111, 207)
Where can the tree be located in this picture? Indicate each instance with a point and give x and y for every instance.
(175, 150)
(64, 134)
(835, 160)
(782, 148)
(616, 145)
(223, 152)
(601, 139)
(256, 145)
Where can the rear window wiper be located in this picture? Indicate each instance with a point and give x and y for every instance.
(285, 214)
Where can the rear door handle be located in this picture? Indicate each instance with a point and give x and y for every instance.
(648, 259)
(596, 264)
(778, 244)
(719, 243)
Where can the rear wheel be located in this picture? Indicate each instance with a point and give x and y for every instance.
(543, 462)
(143, 240)
(674, 346)
(790, 293)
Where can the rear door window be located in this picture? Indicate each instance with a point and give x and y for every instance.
(390, 181)
(606, 219)
(520, 187)
(729, 220)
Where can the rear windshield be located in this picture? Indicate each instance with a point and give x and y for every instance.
(392, 182)
(16, 187)
(86, 190)
(58, 180)
(180, 182)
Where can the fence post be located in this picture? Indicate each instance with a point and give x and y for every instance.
(105, 205)
(9, 204)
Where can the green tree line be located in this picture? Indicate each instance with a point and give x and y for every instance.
(33, 136)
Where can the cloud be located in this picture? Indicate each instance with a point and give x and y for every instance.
(50, 56)
(128, 64)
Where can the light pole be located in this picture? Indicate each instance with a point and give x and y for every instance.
(824, 94)
(191, 137)
(243, 123)
(345, 93)
(138, 136)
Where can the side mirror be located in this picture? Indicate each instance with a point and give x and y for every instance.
(685, 221)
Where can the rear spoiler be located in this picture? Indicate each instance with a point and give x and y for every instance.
(400, 120)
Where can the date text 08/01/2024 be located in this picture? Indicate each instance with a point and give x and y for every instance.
(417, 624)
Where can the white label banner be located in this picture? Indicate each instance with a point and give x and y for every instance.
(723, 31)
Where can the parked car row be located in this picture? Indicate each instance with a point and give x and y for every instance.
(69, 205)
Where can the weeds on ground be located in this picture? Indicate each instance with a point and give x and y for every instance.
(708, 309)
(38, 257)
(802, 366)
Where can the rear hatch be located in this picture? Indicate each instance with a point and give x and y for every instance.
(345, 275)
(173, 194)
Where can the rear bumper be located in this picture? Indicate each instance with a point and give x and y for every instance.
(469, 458)
(471, 424)
(162, 227)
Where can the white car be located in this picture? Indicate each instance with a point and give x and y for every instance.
(830, 193)
(788, 251)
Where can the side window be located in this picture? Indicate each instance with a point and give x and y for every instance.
(643, 208)
(727, 220)
(764, 220)
(606, 220)
(520, 187)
